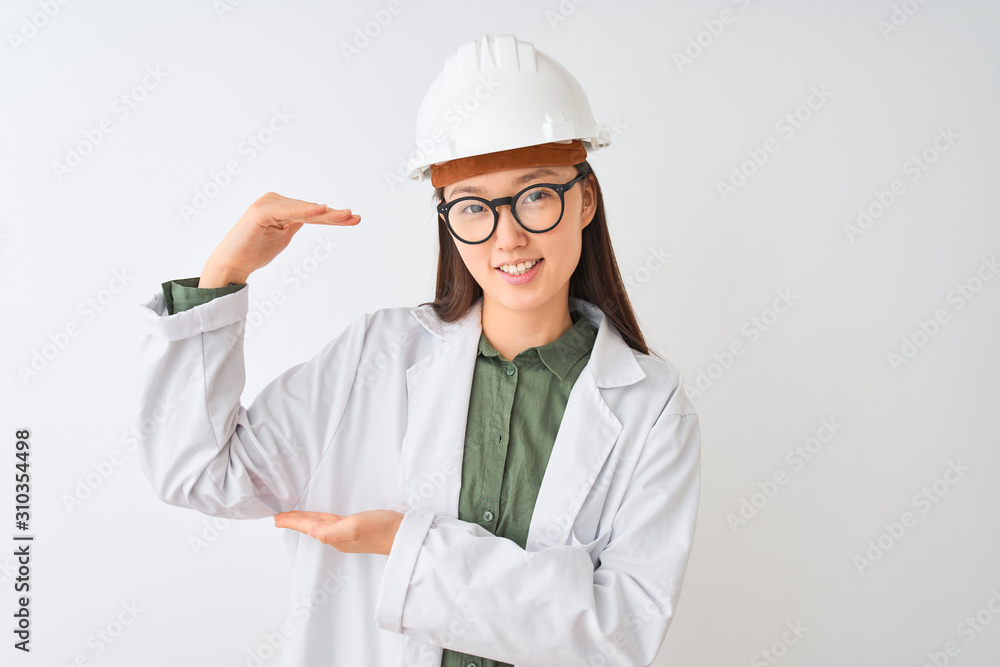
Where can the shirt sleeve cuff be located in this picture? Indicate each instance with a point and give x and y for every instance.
(220, 312)
(183, 294)
(399, 568)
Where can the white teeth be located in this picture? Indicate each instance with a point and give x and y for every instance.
(517, 269)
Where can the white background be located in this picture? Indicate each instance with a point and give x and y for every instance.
(682, 128)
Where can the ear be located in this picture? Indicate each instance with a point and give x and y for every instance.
(589, 200)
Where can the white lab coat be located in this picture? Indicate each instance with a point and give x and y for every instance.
(376, 420)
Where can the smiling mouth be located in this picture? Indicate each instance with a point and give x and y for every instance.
(519, 268)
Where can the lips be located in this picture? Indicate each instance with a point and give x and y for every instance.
(521, 278)
(518, 267)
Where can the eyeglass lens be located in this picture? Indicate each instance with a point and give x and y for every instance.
(537, 209)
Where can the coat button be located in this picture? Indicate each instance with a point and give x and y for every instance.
(487, 515)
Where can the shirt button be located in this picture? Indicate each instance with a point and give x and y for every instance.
(487, 515)
(471, 664)
(509, 370)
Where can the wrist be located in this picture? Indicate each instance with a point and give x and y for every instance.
(220, 277)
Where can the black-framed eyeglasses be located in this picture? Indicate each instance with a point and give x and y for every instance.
(537, 208)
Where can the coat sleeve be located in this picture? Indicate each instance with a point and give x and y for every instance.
(454, 584)
(199, 446)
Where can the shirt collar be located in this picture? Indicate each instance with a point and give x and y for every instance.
(612, 362)
(561, 354)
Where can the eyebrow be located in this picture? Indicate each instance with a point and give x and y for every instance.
(520, 180)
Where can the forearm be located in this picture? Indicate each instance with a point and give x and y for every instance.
(454, 584)
(469, 589)
(191, 377)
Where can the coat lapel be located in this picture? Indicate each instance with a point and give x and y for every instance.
(587, 433)
(437, 389)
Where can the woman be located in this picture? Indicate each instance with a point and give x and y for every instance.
(504, 476)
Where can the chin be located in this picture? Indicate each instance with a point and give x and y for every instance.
(519, 298)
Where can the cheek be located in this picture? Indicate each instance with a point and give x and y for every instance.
(473, 256)
(566, 248)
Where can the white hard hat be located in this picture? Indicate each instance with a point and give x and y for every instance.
(498, 93)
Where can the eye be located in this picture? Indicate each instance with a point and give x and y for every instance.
(472, 209)
(538, 195)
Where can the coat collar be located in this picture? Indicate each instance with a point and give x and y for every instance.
(612, 362)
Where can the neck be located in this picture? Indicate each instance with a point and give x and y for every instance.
(513, 331)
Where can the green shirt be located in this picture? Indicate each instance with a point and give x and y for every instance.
(515, 408)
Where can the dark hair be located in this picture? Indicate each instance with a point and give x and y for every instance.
(596, 278)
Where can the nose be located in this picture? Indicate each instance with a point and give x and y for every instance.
(509, 234)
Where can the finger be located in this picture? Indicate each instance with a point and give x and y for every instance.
(304, 522)
(349, 221)
(328, 220)
(318, 515)
(292, 208)
(301, 524)
(328, 214)
(337, 219)
(321, 529)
